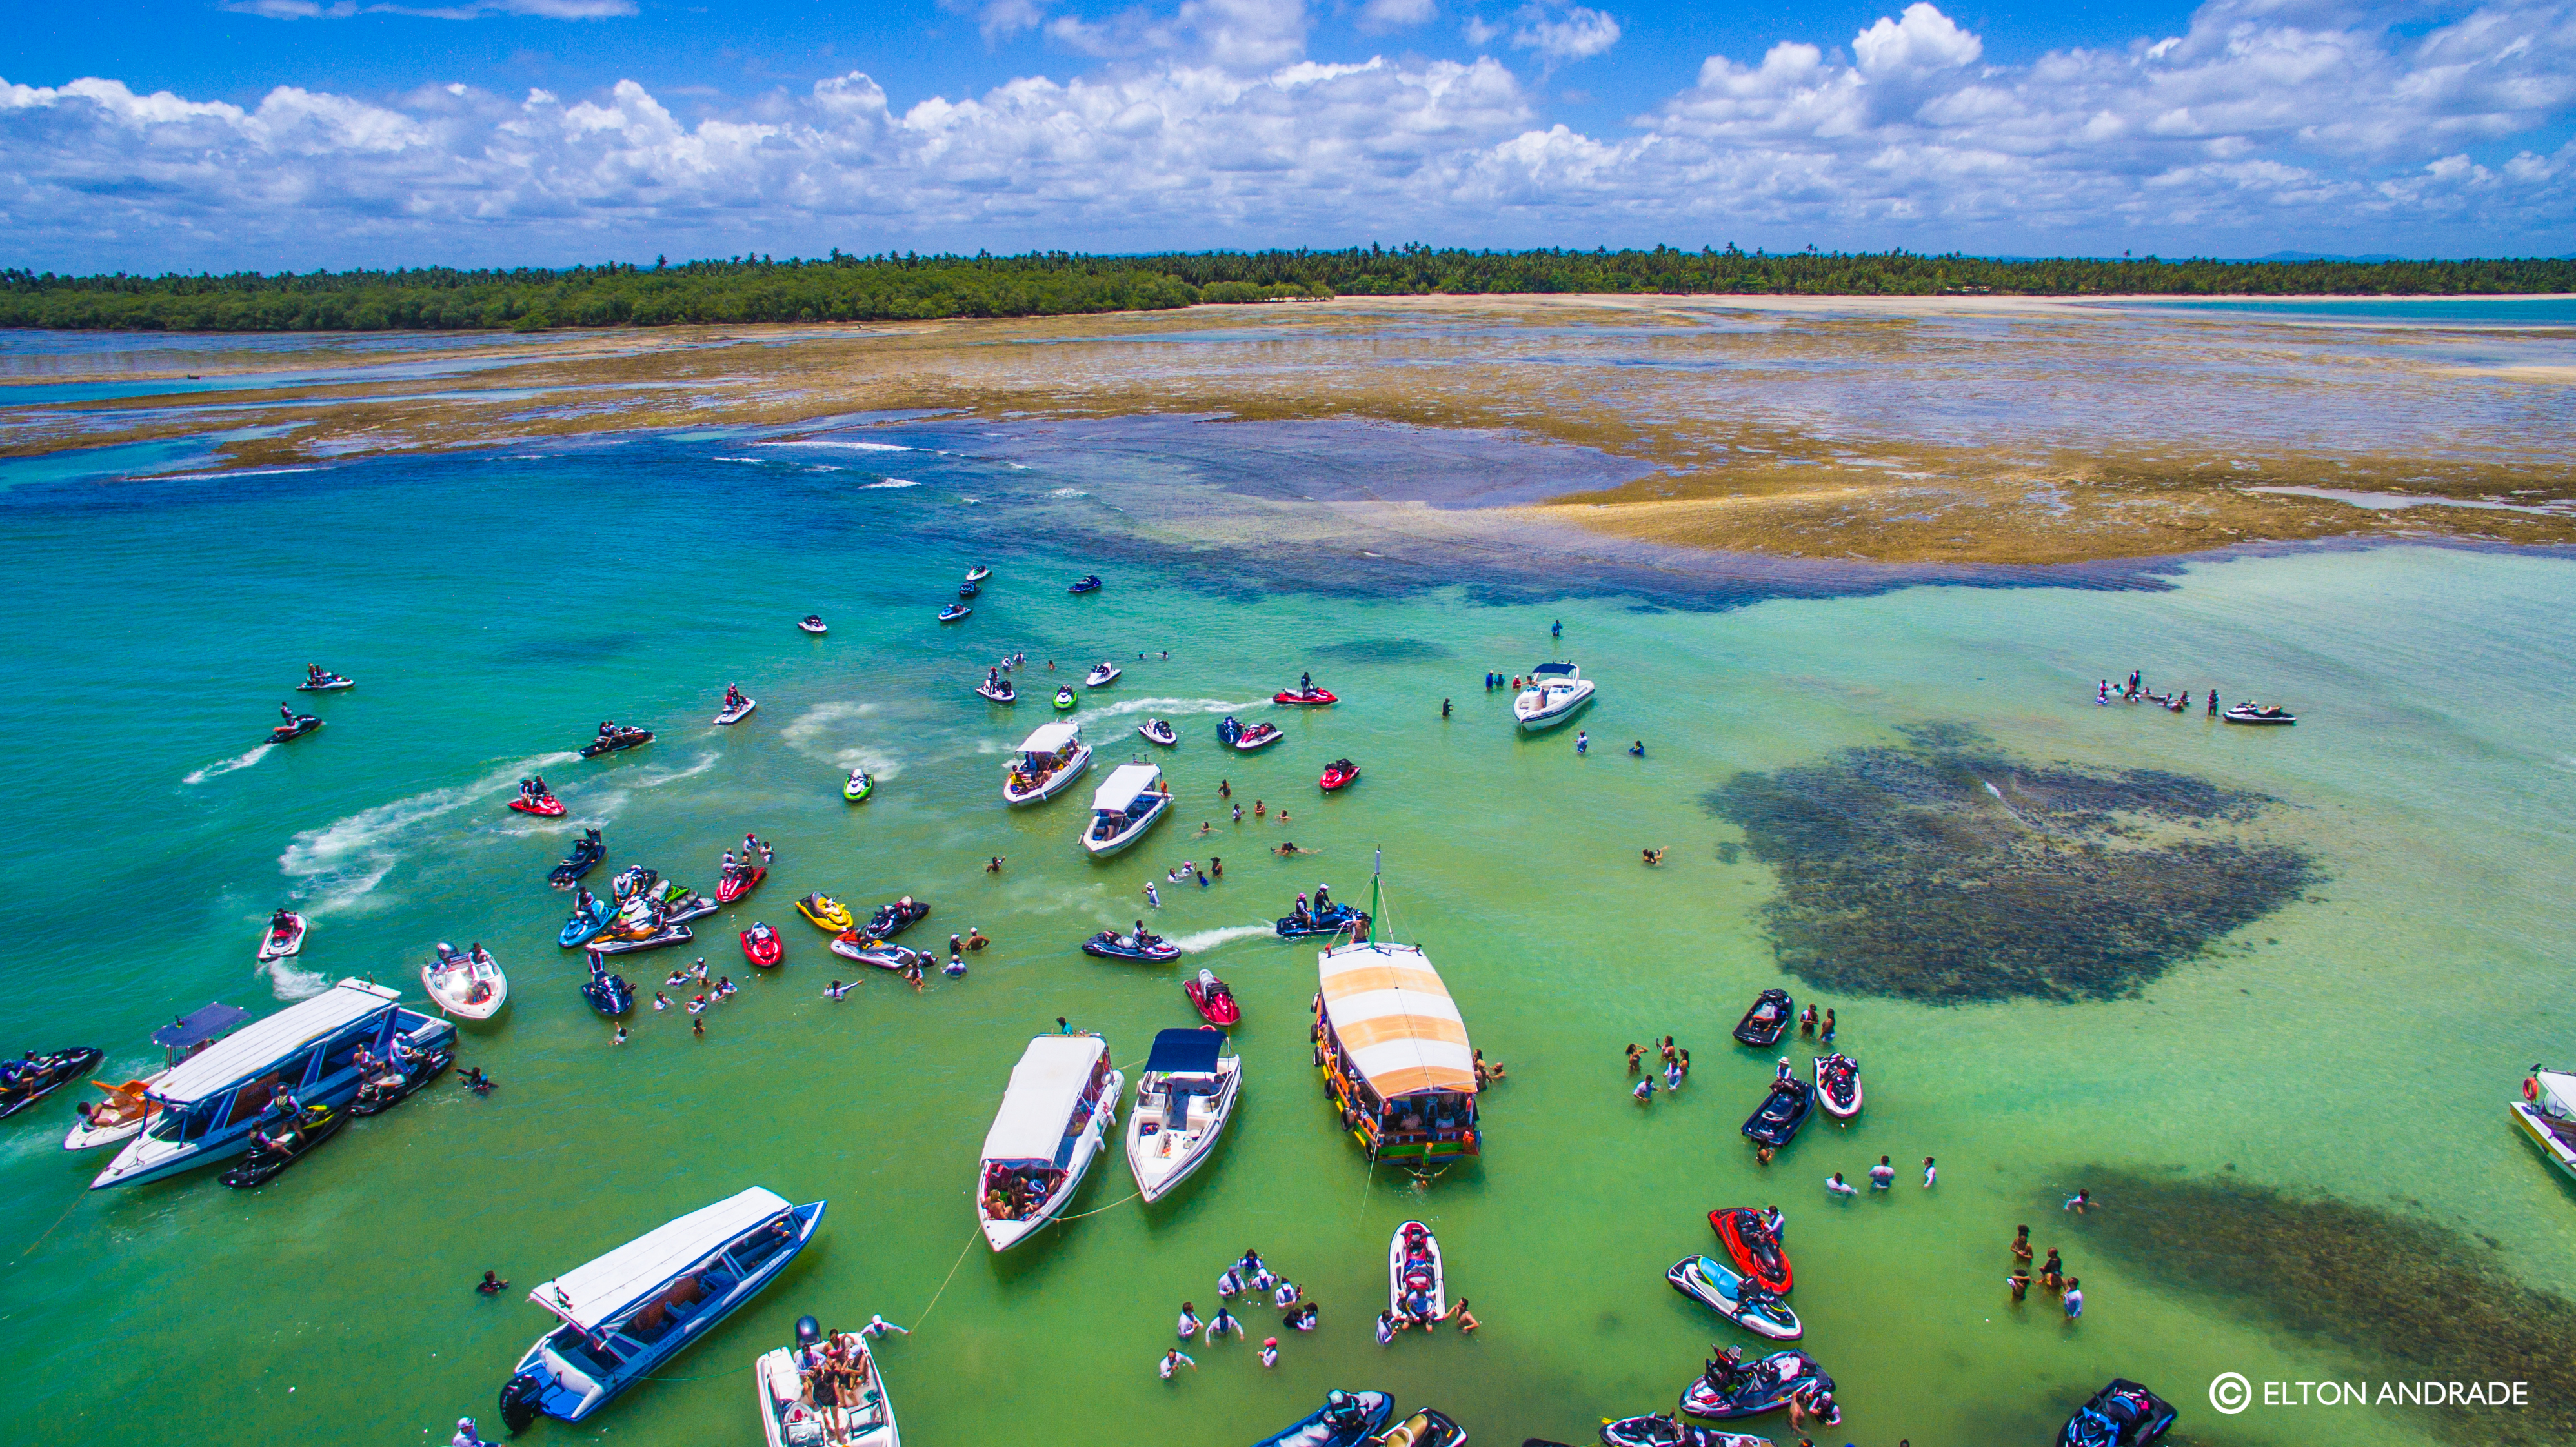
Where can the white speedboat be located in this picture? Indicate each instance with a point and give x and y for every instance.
(1103, 676)
(1416, 1284)
(792, 1421)
(1556, 692)
(1061, 1102)
(469, 984)
(1048, 760)
(2547, 1114)
(130, 1107)
(211, 1102)
(635, 1308)
(1124, 806)
(1182, 1102)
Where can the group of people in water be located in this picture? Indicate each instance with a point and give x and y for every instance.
(2135, 691)
(1249, 1277)
(2052, 1277)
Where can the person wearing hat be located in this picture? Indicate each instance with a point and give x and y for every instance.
(466, 1436)
(1270, 1351)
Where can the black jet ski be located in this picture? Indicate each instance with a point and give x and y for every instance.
(893, 919)
(1768, 1020)
(298, 727)
(1229, 731)
(2123, 1414)
(1345, 1420)
(1426, 1427)
(1089, 584)
(1757, 1387)
(1332, 919)
(1776, 1122)
(969, 590)
(2246, 713)
(1662, 1429)
(621, 737)
(587, 851)
(42, 1076)
(318, 1124)
(1111, 945)
(376, 1100)
(609, 994)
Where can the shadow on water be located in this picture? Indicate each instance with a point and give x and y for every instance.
(2413, 1298)
(1946, 871)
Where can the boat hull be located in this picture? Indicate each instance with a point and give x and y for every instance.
(1003, 1235)
(1540, 720)
(1125, 839)
(1157, 1174)
(867, 1423)
(2558, 1151)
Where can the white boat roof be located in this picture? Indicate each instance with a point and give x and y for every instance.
(1045, 1086)
(262, 1043)
(596, 1291)
(1123, 785)
(2559, 1083)
(1047, 738)
(1395, 1020)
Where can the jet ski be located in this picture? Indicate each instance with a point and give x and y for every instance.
(743, 880)
(318, 1124)
(859, 787)
(1213, 999)
(1103, 676)
(1346, 1419)
(609, 994)
(1838, 1085)
(669, 934)
(1332, 919)
(953, 612)
(998, 690)
(812, 623)
(374, 1099)
(1158, 731)
(1089, 584)
(762, 946)
(969, 590)
(2123, 1414)
(1304, 697)
(1753, 1249)
(1109, 944)
(1064, 697)
(325, 683)
(1709, 1282)
(850, 944)
(302, 724)
(679, 904)
(1228, 731)
(544, 805)
(283, 937)
(1427, 1427)
(585, 924)
(736, 713)
(633, 881)
(1768, 1019)
(2255, 713)
(42, 1076)
(1661, 1429)
(893, 919)
(978, 573)
(824, 912)
(1259, 736)
(587, 851)
(616, 740)
(1338, 773)
(1776, 1121)
(1759, 1386)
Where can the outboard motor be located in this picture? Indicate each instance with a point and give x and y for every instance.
(519, 1398)
(808, 1331)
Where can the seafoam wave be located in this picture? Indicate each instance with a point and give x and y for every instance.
(290, 983)
(824, 732)
(840, 442)
(340, 864)
(889, 482)
(1162, 708)
(705, 762)
(1201, 941)
(238, 761)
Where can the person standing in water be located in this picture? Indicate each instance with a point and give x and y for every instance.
(2074, 1297)
(1444, 708)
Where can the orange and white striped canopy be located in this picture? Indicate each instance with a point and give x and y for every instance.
(1396, 1023)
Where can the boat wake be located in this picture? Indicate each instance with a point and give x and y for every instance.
(1207, 939)
(705, 762)
(291, 983)
(238, 761)
(1164, 708)
(889, 482)
(342, 862)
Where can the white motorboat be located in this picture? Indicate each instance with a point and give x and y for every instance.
(1048, 760)
(1556, 692)
(2547, 1114)
(1102, 676)
(1416, 1284)
(465, 983)
(283, 937)
(791, 1421)
(210, 1102)
(736, 713)
(1124, 806)
(1182, 1102)
(635, 1308)
(1061, 1102)
(130, 1107)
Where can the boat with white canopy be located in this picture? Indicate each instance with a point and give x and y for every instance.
(2547, 1114)
(129, 1107)
(635, 1308)
(1182, 1103)
(1048, 760)
(1556, 692)
(1061, 1102)
(1394, 1052)
(1124, 806)
(210, 1102)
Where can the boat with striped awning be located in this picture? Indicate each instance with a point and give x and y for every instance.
(1394, 1052)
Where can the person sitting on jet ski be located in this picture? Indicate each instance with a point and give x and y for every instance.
(1342, 1410)
(282, 921)
(1725, 1370)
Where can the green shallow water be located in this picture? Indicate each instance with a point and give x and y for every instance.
(2361, 1041)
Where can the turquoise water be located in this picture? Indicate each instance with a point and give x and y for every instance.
(495, 607)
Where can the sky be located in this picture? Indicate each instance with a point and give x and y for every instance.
(293, 134)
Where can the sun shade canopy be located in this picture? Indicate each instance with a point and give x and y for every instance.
(1123, 786)
(1396, 1023)
(591, 1295)
(1045, 1087)
(199, 1026)
(1048, 738)
(1185, 1052)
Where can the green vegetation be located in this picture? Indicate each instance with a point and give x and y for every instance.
(845, 288)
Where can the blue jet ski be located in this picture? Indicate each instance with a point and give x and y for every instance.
(1089, 584)
(1332, 919)
(2123, 1414)
(1776, 1122)
(586, 923)
(1111, 945)
(609, 994)
(1758, 1387)
(1345, 1420)
(1228, 731)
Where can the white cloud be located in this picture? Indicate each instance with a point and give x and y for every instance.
(2266, 125)
(1578, 34)
(1382, 15)
(466, 10)
(999, 19)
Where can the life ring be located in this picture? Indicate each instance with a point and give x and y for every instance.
(2530, 1089)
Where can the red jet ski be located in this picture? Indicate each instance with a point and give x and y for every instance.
(1338, 773)
(1754, 1248)
(545, 804)
(740, 882)
(1215, 1001)
(761, 945)
(1315, 697)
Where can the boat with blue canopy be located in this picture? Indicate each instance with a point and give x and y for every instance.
(1182, 1103)
(635, 1308)
(129, 1107)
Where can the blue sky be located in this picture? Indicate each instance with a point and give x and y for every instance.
(274, 133)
